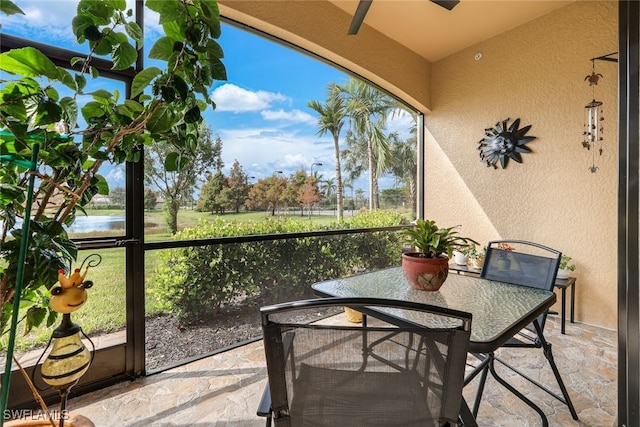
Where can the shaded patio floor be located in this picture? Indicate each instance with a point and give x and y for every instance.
(224, 390)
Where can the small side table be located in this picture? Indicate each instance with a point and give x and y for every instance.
(561, 284)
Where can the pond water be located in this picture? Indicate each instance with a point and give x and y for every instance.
(88, 224)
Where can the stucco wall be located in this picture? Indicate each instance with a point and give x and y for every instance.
(536, 73)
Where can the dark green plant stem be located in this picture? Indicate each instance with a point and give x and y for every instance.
(6, 379)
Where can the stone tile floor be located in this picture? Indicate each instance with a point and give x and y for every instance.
(224, 390)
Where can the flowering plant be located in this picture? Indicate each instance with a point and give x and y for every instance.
(505, 247)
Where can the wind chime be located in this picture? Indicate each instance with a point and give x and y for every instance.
(593, 128)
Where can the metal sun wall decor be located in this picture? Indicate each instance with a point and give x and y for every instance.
(502, 143)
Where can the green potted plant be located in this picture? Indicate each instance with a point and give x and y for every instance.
(43, 124)
(427, 267)
(475, 256)
(566, 267)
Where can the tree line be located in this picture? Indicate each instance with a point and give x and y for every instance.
(365, 147)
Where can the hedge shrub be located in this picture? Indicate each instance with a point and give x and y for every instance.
(193, 281)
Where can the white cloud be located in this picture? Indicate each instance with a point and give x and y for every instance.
(38, 13)
(115, 176)
(400, 122)
(230, 97)
(47, 20)
(261, 151)
(293, 116)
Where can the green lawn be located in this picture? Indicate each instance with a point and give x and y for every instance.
(156, 230)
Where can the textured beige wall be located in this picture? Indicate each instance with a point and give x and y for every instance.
(536, 73)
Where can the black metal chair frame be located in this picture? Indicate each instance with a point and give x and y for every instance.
(274, 403)
(525, 340)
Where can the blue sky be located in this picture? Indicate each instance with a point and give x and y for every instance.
(262, 115)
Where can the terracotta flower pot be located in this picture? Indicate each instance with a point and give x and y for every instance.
(425, 274)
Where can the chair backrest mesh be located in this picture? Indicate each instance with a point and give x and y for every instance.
(326, 374)
(527, 264)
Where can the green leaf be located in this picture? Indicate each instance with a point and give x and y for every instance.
(28, 62)
(102, 185)
(9, 8)
(75, 60)
(94, 72)
(92, 109)
(117, 4)
(52, 94)
(193, 115)
(218, 70)
(47, 112)
(161, 121)
(135, 33)
(79, 24)
(70, 111)
(133, 106)
(173, 30)
(171, 162)
(181, 87)
(168, 9)
(9, 193)
(168, 93)
(67, 79)
(35, 316)
(124, 55)
(211, 16)
(143, 79)
(100, 11)
(92, 33)
(101, 93)
(124, 110)
(162, 49)
(81, 81)
(214, 49)
(51, 318)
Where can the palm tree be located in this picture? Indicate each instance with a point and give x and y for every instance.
(360, 194)
(328, 188)
(332, 116)
(404, 165)
(348, 183)
(367, 109)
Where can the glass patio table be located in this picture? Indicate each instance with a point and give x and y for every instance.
(499, 311)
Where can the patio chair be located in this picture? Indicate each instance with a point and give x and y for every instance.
(327, 373)
(527, 264)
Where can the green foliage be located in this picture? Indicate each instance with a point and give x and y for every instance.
(166, 169)
(473, 252)
(150, 199)
(434, 241)
(195, 281)
(566, 264)
(32, 110)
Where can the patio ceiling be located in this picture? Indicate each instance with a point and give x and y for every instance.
(398, 39)
(434, 32)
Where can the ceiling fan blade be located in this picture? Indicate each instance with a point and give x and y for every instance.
(358, 17)
(447, 4)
